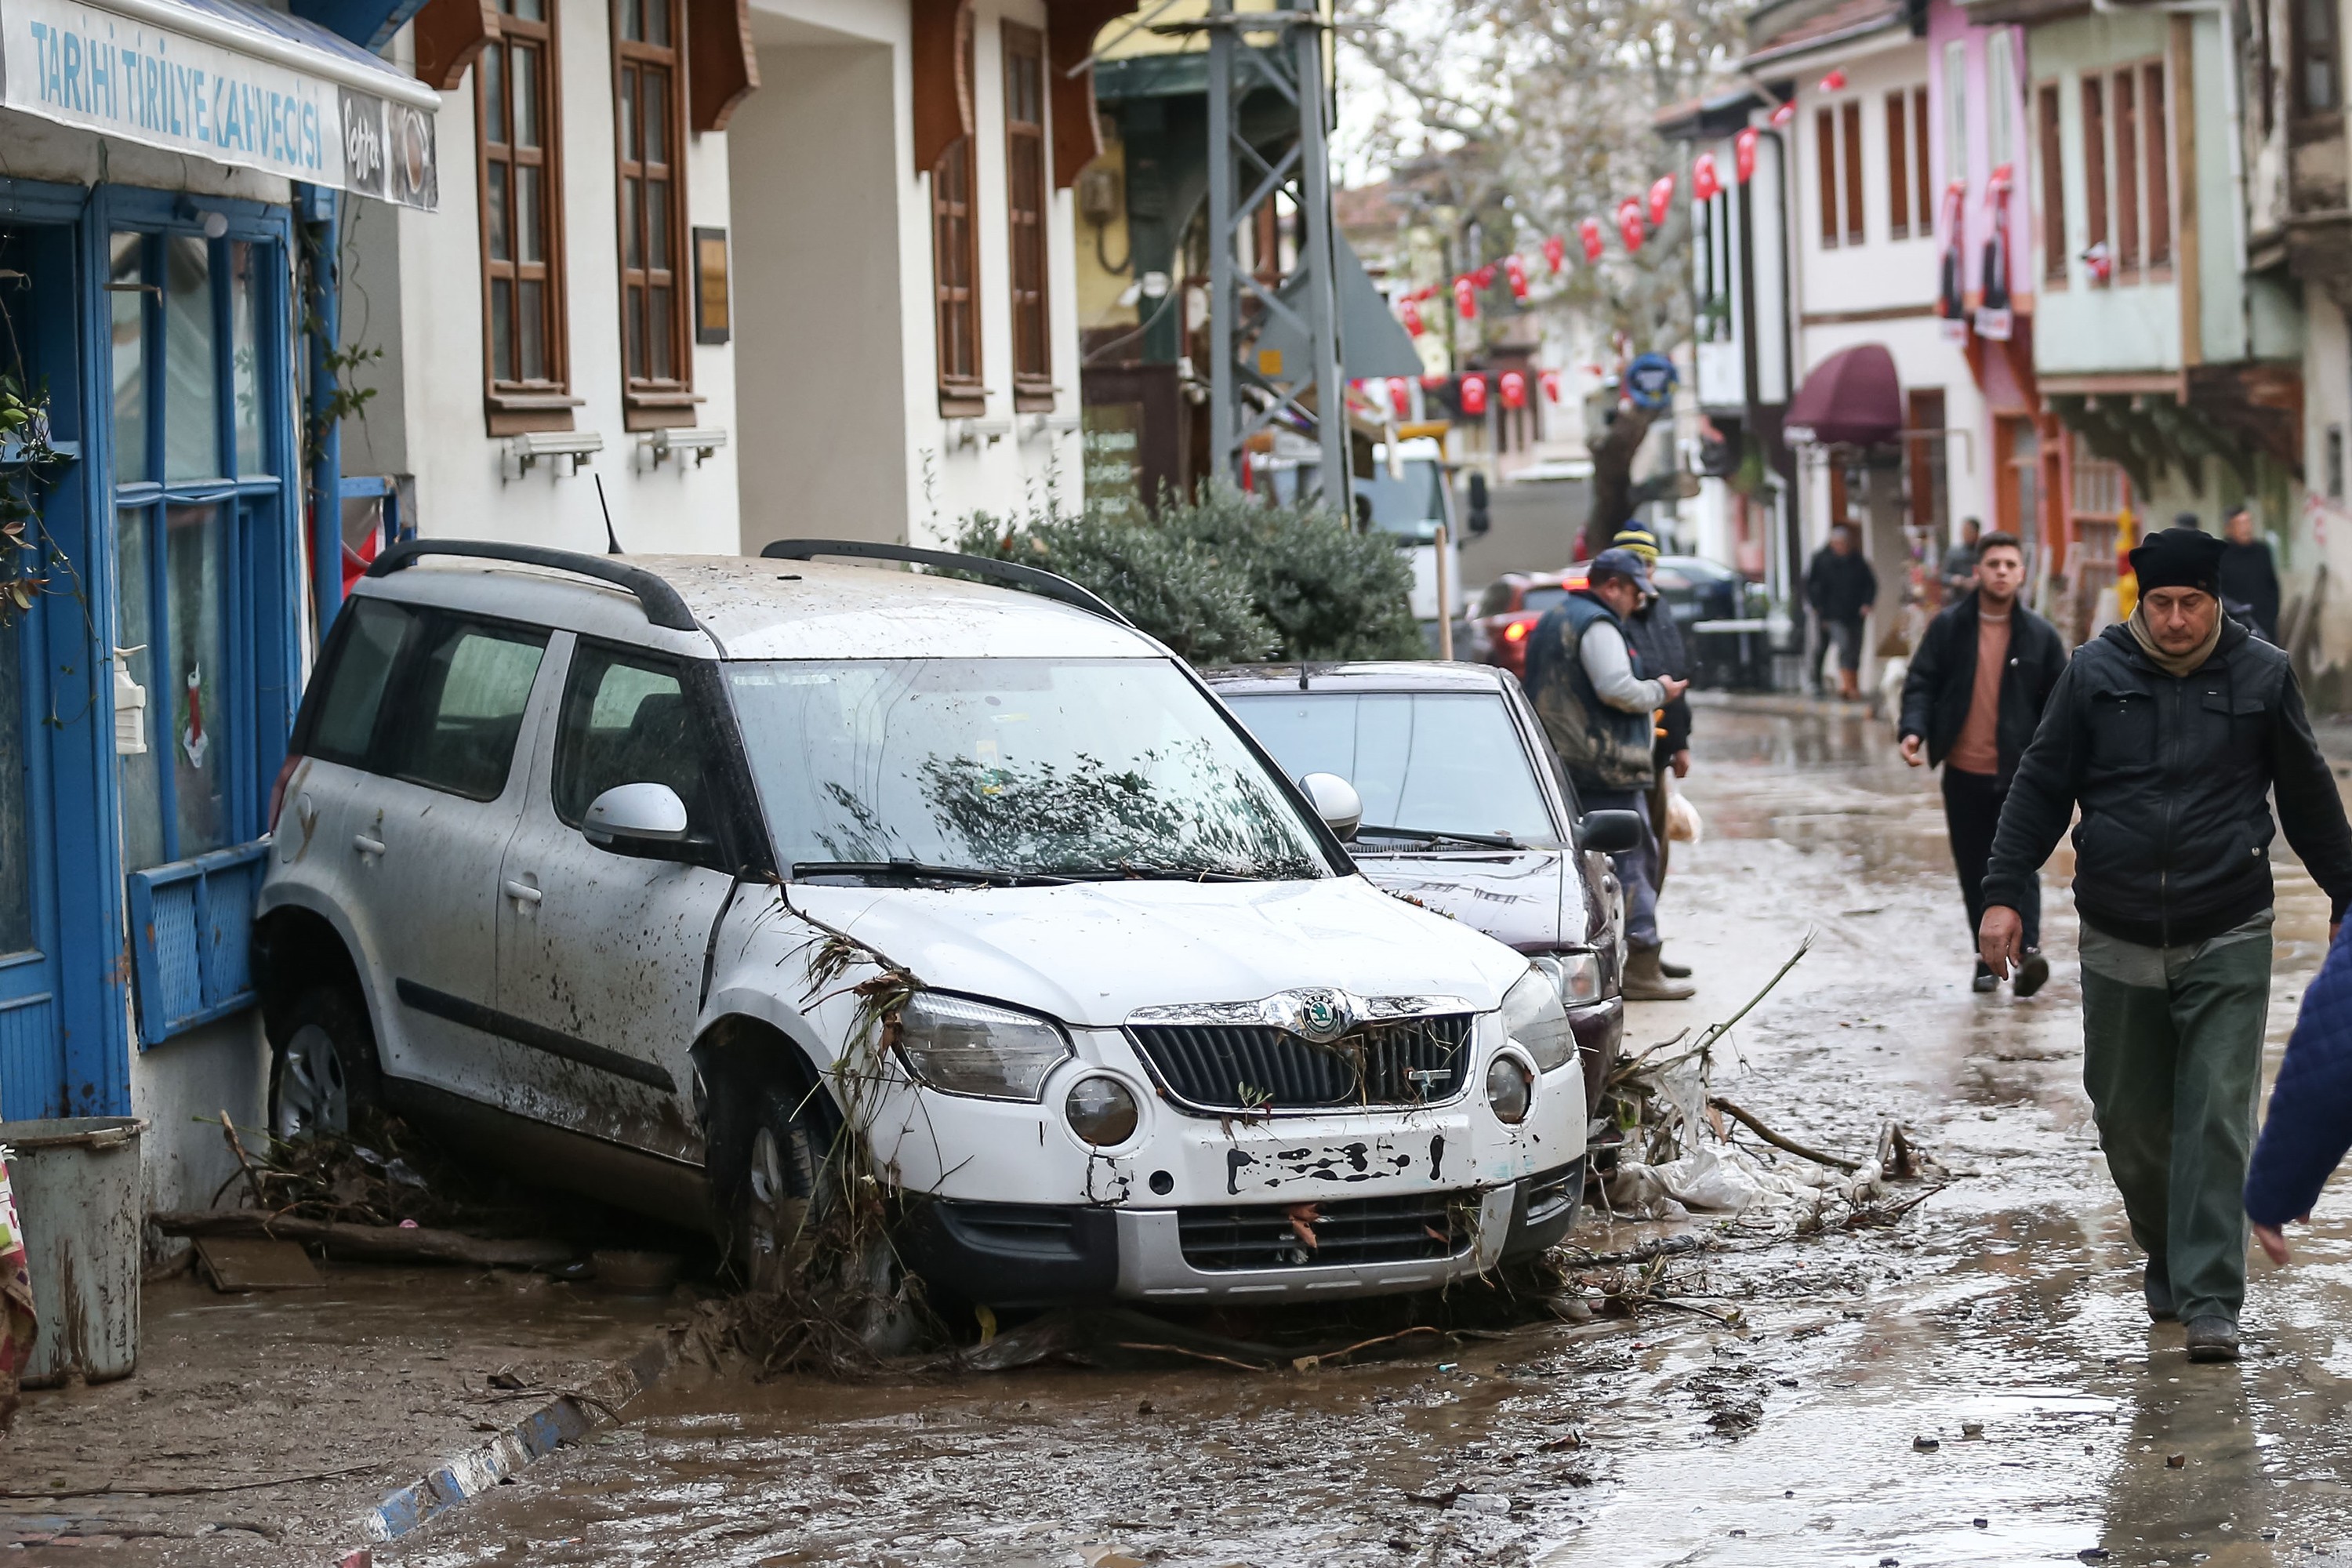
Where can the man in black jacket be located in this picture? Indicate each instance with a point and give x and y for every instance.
(2250, 585)
(1974, 695)
(2172, 730)
(1658, 649)
(1841, 587)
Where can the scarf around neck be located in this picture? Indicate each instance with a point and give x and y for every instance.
(2176, 664)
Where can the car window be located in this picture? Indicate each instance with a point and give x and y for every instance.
(351, 690)
(458, 722)
(626, 721)
(1442, 761)
(1496, 600)
(1544, 599)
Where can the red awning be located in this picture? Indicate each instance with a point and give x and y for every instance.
(1851, 399)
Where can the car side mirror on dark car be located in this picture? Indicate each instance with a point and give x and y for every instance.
(1609, 832)
(1480, 521)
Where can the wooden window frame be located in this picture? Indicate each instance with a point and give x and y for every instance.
(2093, 88)
(2316, 54)
(647, 401)
(2050, 144)
(1825, 140)
(2122, 101)
(963, 394)
(2156, 130)
(1850, 129)
(1028, 250)
(514, 407)
(1923, 205)
(1898, 165)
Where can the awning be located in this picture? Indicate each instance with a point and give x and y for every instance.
(1372, 342)
(1852, 398)
(227, 81)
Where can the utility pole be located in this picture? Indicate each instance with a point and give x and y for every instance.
(1251, 387)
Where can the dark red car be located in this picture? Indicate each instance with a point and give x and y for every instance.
(1508, 612)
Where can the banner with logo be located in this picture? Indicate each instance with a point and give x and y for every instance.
(221, 80)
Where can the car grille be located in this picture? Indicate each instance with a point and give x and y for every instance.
(1255, 1068)
(1409, 1227)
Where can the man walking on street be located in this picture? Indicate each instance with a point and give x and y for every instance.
(2250, 585)
(1973, 699)
(1841, 587)
(1959, 568)
(1658, 649)
(2172, 730)
(1597, 711)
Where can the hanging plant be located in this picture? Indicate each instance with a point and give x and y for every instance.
(26, 459)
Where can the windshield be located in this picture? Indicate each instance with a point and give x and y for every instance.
(1441, 761)
(1024, 765)
(1412, 505)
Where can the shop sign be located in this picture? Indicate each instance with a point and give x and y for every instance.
(205, 80)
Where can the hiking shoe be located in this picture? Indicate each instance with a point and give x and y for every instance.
(1672, 971)
(2212, 1339)
(1984, 982)
(2032, 975)
(1644, 981)
(2156, 1285)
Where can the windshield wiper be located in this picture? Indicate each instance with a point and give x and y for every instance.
(1443, 836)
(919, 871)
(1146, 872)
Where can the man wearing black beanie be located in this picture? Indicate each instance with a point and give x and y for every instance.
(2172, 730)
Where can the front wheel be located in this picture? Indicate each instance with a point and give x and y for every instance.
(322, 1067)
(779, 1189)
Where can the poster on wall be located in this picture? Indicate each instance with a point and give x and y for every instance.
(227, 81)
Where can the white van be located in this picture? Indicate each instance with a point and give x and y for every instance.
(654, 876)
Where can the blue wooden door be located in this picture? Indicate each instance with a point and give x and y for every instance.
(35, 276)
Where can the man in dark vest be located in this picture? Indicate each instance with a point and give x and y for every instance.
(1658, 649)
(1971, 702)
(1598, 712)
(2173, 731)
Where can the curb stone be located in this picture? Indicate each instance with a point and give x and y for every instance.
(568, 1418)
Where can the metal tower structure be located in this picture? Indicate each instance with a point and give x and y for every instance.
(1251, 386)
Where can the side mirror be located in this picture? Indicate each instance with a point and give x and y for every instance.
(645, 819)
(1336, 802)
(1609, 832)
(1479, 521)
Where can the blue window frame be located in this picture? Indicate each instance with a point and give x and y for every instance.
(200, 467)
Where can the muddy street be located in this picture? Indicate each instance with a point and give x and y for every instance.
(1976, 1383)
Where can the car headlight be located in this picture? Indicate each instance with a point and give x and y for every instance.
(1533, 1015)
(963, 1046)
(1101, 1110)
(1575, 974)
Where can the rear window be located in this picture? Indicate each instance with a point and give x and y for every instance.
(463, 706)
(1540, 599)
(351, 690)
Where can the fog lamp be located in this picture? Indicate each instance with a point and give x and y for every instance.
(1507, 1089)
(1101, 1111)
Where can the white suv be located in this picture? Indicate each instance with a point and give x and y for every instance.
(652, 877)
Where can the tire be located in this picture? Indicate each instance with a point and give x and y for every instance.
(778, 1189)
(322, 1065)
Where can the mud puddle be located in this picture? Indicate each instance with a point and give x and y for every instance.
(1976, 1384)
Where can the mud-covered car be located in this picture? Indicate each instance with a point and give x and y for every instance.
(679, 881)
(1464, 811)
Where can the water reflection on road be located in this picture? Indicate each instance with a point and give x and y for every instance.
(1976, 1385)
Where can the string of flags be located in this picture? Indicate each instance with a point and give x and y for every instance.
(1636, 218)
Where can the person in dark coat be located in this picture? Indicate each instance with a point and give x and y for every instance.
(1841, 587)
(2310, 1125)
(1658, 649)
(2250, 585)
(1974, 695)
(2174, 731)
(1959, 567)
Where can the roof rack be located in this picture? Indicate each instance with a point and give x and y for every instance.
(662, 604)
(1010, 574)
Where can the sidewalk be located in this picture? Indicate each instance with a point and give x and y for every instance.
(1791, 704)
(270, 1427)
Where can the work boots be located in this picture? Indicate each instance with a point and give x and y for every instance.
(1645, 980)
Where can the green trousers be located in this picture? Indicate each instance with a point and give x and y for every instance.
(2172, 1055)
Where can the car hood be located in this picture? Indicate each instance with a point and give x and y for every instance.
(1515, 896)
(1093, 952)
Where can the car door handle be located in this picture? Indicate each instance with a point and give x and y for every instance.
(522, 893)
(366, 846)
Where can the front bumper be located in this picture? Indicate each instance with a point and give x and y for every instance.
(1028, 1256)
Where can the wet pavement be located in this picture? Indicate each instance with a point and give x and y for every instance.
(1976, 1384)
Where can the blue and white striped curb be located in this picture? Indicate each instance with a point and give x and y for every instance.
(566, 1419)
